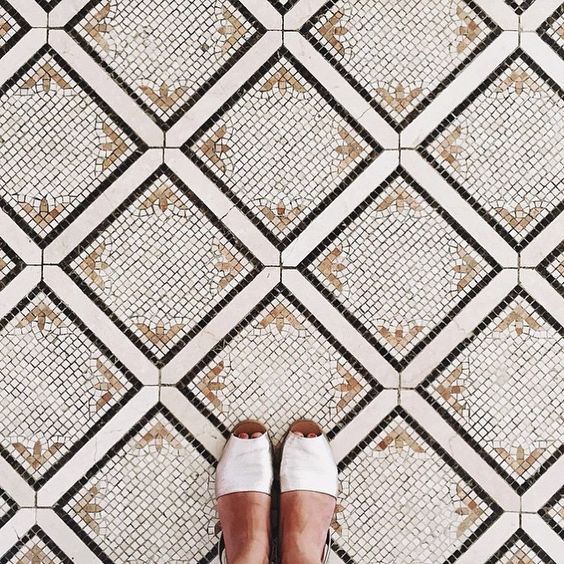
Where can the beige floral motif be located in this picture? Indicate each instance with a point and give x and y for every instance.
(400, 336)
(92, 265)
(97, 26)
(35, 555)
(519, 218)
(3, 264)
(519, 80)
(43, 316)
(5, 27)
(468, 32)
(349, 389)
(400, 97)
(469, 509)
(333, 31)
(449, 389)
(560, 31)
(214, 148)
(165, 98)
(520, 557)
(37, 457)
(210, 384)
(560, 267)
(115, 145)
(160, 335)
(330, 267)
(335, 524)
(449, 149)
(228, 266)
(517, 320)
(233, 30)
(47, 76)
(109, 385)
(280, 215)
(400, 200)
(162, 198)
(520, 462)
(349, 150)
(281, 317)
(157, 436)
(469, 269)
(284, 81)
(400, 439)
(88, 508)
(42, 212)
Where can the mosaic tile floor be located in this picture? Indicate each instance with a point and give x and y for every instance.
(351, 210)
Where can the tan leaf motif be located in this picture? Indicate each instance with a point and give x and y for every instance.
(400, 336)
(158, 435)
(215, 147)
(520, 557)
(521, 462)
(210, 384)
(162, 198)
(280, 316)
(165, 99)
(519, 218)
(449, 389)
(401, 199)
(400, 439)
(41, 212)
(284, 81)
(37, 457)
(115, 146)
(3, 264)
(468, 270)
(333, 31)
(468, 32)
(229, 267)
(399, 98)
(519, 80)
(92, 265)
(5, 27)
(449, 150)
(87, 508)
(470, 510)
(560, 267)
(349, 151)
(97, 26)
(330, 267)
(43, 316)
(160, 336)
(109, 386)
(35, 555)
(560, 31)
(232, 30)
(47, 76)
(517, 320)
(335, 524)
(349, 389)
(280, 215)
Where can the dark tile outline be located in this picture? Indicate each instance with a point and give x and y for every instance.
(519, 9)
(542, 268)
(517, 291)
(543, 512)
(36, 530)
(114, 216)
(48, 6)
(165, 125)
(373, 145)
(278, 290)
(139, 148)
(115, 449)
(283, 8)
(542, 31)
(19, 264)
(308, 32)
(432, 443)
(24, 27)
(422, 149)
(520, 534)
(398, 365)
(12, 507)
(36, 484)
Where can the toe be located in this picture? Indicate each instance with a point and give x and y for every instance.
(256, 435)
(243, 435)
(298, 434)
(311, 435)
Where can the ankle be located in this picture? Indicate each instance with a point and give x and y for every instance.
(301, 550)
(250, 553)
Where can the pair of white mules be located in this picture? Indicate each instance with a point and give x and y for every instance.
(306, 464)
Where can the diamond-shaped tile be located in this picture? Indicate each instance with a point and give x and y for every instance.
(502, 389)
(399, 267)
(279, 363)
(552, 31)
(165, 54)
(35, 547)
(400, 55)
(158, 464)
(519, 5)
(59, 385)
(62, 145)
(12, 26)
(520, 549)
(8, 507)
(282, 148)
(432, 514)
(552, 268)
(10, 264)
(553, 512)
(130, 265)
(501, 149)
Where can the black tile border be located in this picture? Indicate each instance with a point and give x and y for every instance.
(48, 5)
(543, 512)
(398, 365)
(12, 507)
(36, 530)
(257, 267)
(519, 9)
(434, 445)
(139, 147)
(546, 25)
(520, 534)
(283, 8)
(307, 32)
(542, 268)
(19, 264)
(24, 27)
(279, 290)
(165, 125)
(517, 291)
(373, 145)
(423, 150)
(131, 432)
(36, 484)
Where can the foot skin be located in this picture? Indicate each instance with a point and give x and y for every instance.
(245, 523)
